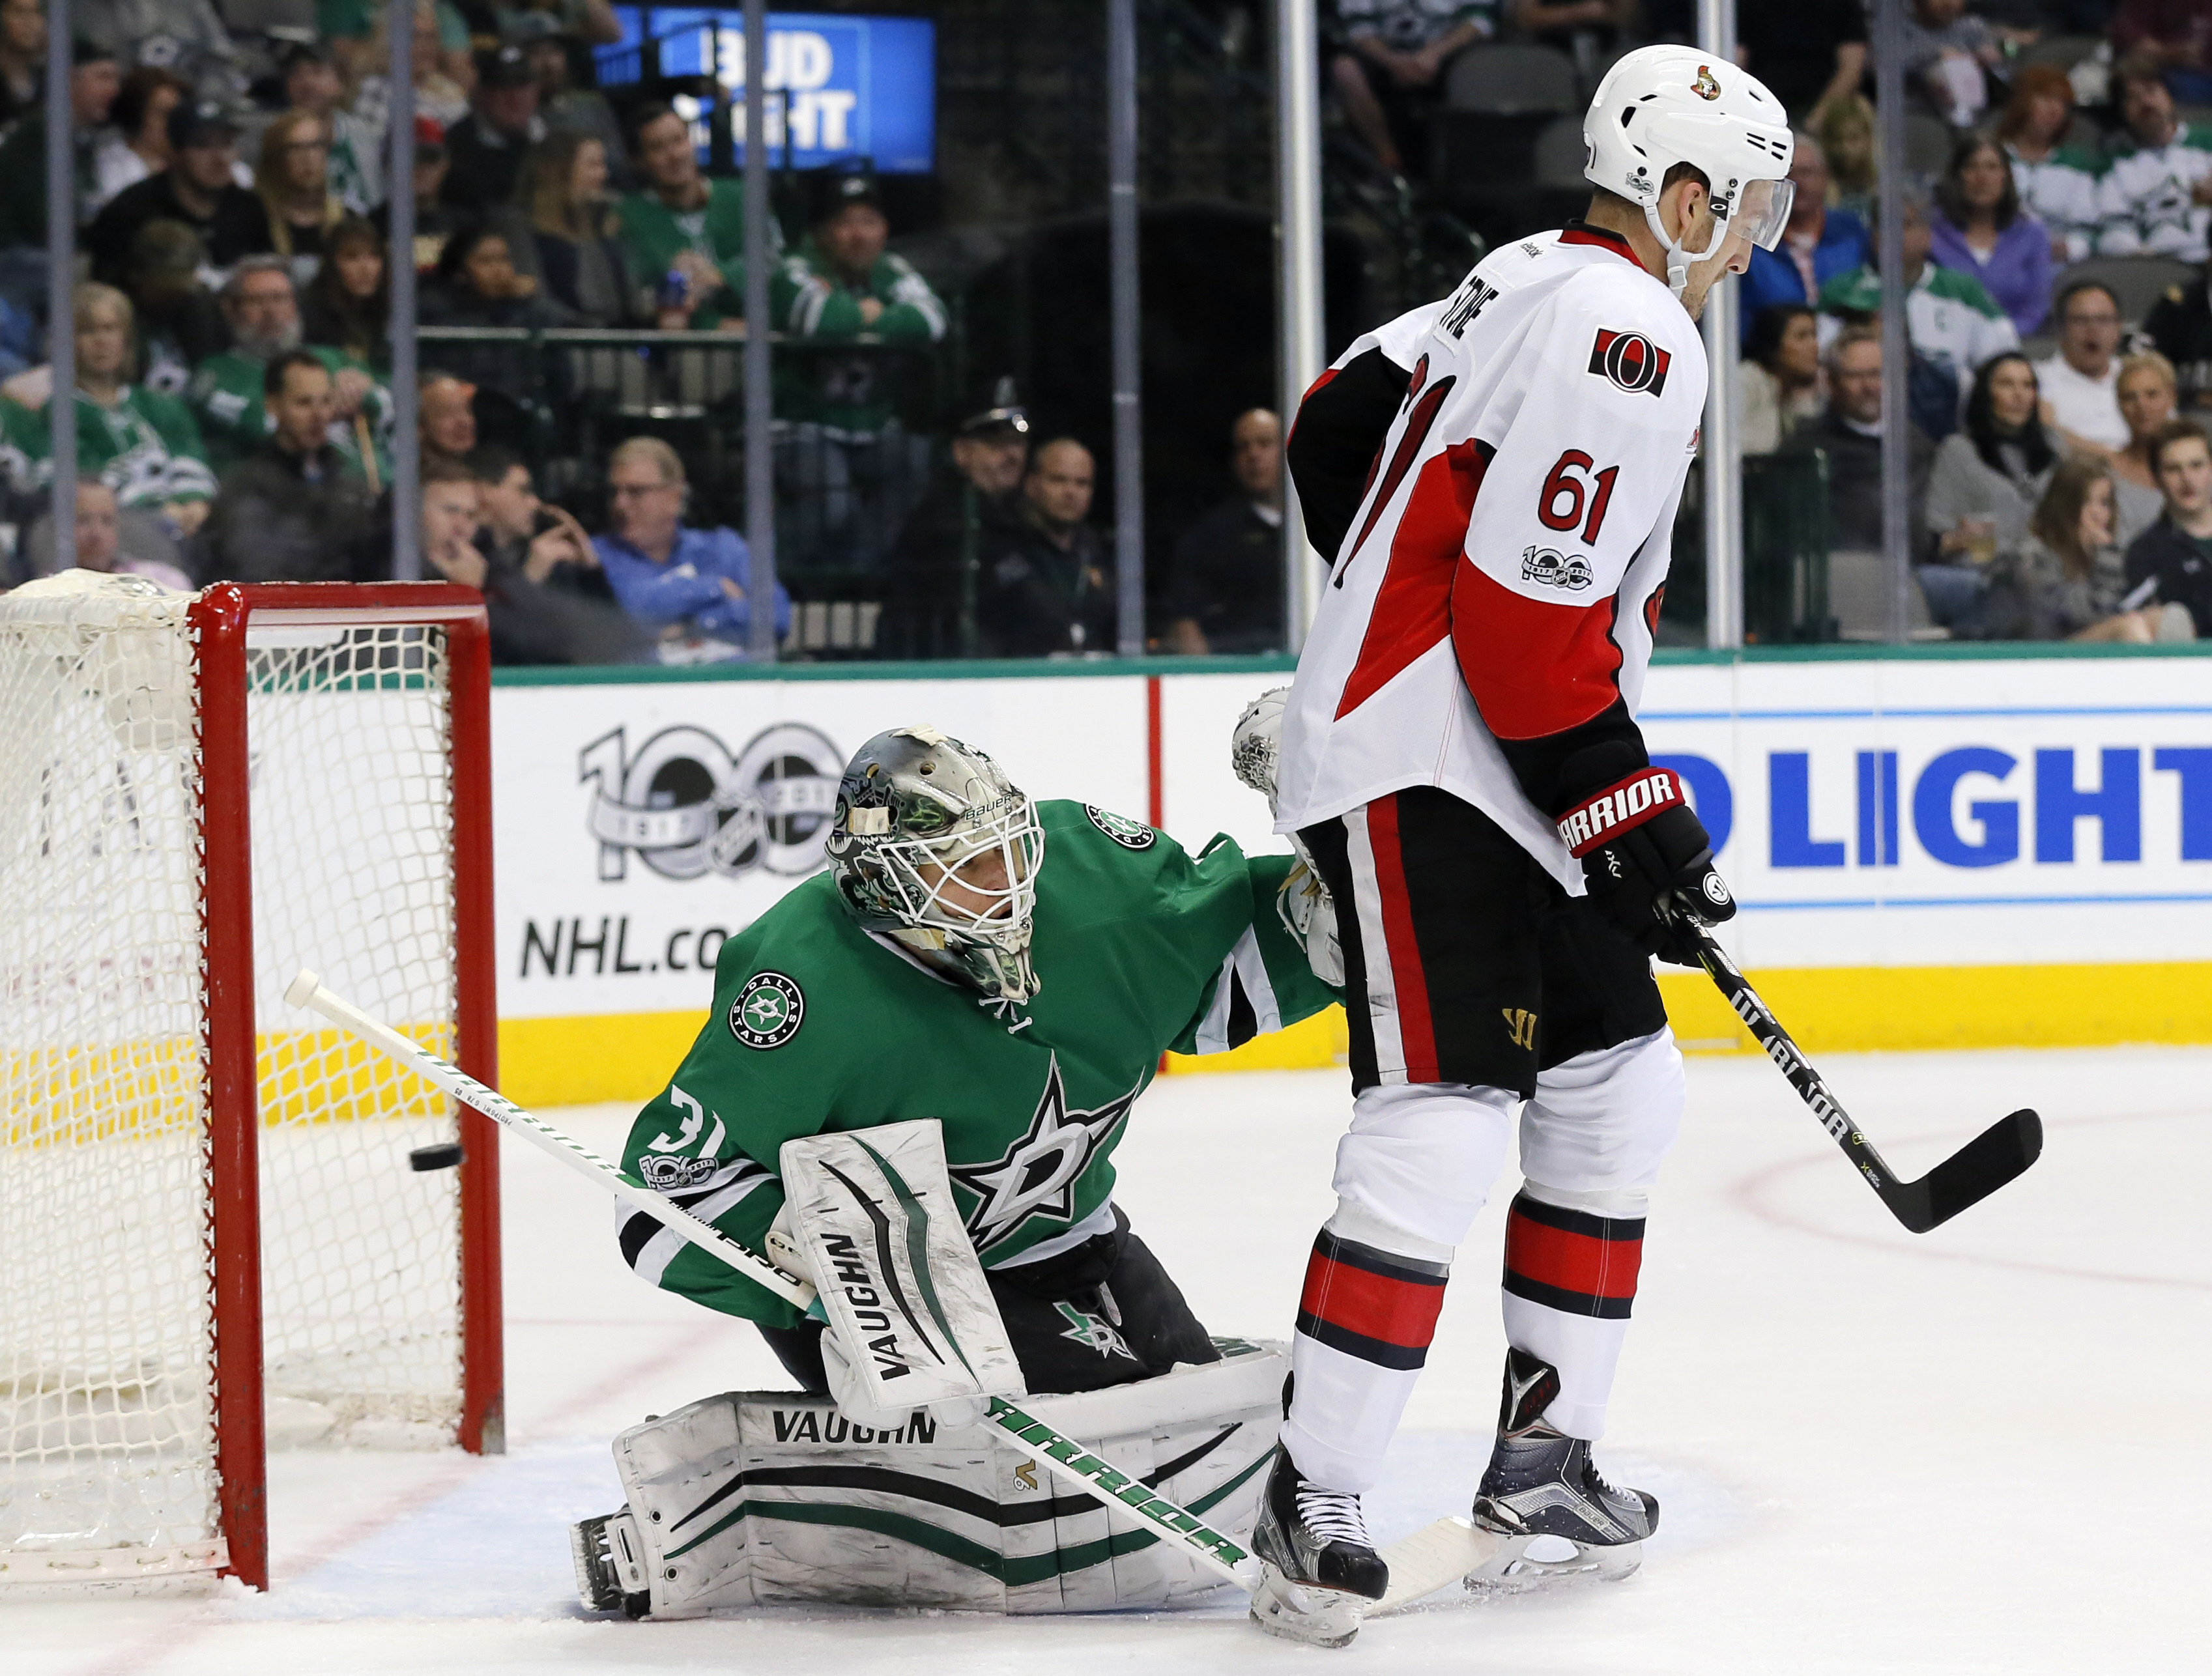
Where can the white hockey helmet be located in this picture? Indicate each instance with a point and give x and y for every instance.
(1661, 105)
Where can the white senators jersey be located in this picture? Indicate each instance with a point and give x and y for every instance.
(1499, 581)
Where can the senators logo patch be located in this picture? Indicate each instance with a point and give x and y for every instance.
(1631, 360)
(1704, 87)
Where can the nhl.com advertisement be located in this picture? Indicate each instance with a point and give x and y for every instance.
(1868, 813)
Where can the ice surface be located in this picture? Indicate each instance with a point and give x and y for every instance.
(1978, 1451)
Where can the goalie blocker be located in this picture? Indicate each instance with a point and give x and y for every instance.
(753, 1498)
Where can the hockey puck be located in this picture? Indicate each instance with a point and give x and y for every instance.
(446, 1155)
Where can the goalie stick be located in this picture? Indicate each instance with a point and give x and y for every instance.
(1976, 1171)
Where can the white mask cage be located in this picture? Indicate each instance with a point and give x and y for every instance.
(923, 873)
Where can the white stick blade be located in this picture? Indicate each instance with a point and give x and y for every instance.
(1430, 1559)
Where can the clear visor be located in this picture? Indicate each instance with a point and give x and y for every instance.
(1762, 210)
(979, 878)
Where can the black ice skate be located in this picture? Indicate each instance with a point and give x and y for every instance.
(610, 1565)
(1543, 1492)
(1321, 1572)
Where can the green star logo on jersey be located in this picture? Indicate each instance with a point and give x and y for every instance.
(767, 1011)
(1128, 833)
(1093, 1331)
(1037, 1175)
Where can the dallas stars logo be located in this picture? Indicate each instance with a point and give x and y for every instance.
(767, 1011)
(1037, 1175)
(1093, 1331)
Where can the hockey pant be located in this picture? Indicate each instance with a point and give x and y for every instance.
(1476, 990)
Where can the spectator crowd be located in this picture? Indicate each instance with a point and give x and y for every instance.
(234, 410)
(2055, 314)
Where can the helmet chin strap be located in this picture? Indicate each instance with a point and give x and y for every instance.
(1680, 261)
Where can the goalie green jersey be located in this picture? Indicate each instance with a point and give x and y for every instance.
(1139, 946)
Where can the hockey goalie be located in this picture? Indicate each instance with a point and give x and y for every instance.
(910, 1092)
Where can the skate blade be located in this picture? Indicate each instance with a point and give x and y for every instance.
(1513, 1570)
(596, 1588)
(1434, 1558)
(1300, 1613)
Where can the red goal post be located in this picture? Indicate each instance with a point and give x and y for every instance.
(224, 788)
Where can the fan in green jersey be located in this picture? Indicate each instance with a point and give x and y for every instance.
(142, 444)
(262, 305)
(1012, 969)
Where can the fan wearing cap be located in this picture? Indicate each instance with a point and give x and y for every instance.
(94, 80)
(199, 188)
(849, 469)
(842, 283)
(937, 564)
(486, 146)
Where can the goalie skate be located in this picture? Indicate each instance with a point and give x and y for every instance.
(609, 1564)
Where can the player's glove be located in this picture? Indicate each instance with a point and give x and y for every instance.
(1646, 858)
(1308, 913)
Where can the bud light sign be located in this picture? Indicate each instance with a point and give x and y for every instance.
(835, 87)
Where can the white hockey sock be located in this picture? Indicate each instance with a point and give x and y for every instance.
(1570, 1275)
(1410, 1176)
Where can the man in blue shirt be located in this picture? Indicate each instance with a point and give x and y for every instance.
(689, 587)
(1818, 244)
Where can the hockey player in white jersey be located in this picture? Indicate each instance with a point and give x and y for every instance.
(1496, 479)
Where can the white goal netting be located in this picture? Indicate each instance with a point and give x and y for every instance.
(106, 1261)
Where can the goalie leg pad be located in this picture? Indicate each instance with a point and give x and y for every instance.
(754, 1498)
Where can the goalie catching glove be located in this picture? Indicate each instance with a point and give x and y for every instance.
(1646, 858)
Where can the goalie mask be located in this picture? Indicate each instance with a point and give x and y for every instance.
(932, 845)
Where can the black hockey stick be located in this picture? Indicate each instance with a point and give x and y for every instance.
(1969, 1175)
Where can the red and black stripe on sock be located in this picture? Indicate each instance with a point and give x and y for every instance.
(1375, 1305)
(1571, 1260)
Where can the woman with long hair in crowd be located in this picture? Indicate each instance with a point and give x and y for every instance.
(2057, 183)
(477, 284)
(1979, 229)
(1986, 479)
(562, 191)
(1846, 134)
(2069, 577)
(348, 304)
(2148, 396)
(1780, 376)
(292, 180)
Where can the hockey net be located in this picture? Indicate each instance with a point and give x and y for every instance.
(207, 1216)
